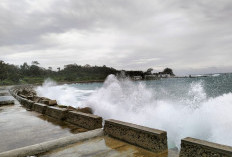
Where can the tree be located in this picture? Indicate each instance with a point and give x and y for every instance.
(149, 71)
(35, 63)
(87, 66)
(168, 71)
(3, 70)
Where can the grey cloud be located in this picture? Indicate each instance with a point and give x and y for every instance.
(180, 33)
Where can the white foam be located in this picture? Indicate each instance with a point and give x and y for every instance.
(193, 115)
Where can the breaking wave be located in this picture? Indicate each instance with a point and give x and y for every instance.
(188, 114)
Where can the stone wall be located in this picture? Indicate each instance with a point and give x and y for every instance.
(191, 147)
(148, 138)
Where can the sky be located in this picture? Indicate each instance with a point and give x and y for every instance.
(188, 36)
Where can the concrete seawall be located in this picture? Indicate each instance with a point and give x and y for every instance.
(85, 120)
(191, 147)
(88, 121)
(38, 107)
(55, 112)
(148, 138)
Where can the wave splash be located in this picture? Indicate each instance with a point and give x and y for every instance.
(192, 115)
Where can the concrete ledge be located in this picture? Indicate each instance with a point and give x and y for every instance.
(50, 145)
(4, 94)
(41, 108)
(6, 102)
(148, 138)
(26, 103)
(84, 120)
(191, 147)
(16, 97)
(55, 112)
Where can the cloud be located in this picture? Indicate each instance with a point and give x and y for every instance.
(125, 34)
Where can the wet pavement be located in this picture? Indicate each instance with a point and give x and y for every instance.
(20, 128)
(5, 98)
(104, 147)
(4, 93)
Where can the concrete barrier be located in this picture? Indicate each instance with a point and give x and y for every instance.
(191, 147)
(84, 120)
(38, 107)
(148, 138)
(50, 145)
(4, 94)
(55, 112)
(6, 102)
(22, 100)
(16, 97)
(26, 103)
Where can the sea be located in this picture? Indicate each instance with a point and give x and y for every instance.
(199, 107)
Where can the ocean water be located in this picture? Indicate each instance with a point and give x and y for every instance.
(184, 107)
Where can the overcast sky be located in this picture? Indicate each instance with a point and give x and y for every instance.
(189, 36)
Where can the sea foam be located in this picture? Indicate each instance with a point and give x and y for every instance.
(193, 114)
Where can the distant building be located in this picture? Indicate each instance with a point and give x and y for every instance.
(137, 78)
(151, 77)
(164, 75)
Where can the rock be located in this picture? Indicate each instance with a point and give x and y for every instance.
(36, 99)
(70, 108)
(85, 110)
(30, 97)
(44, 101)
(23, 96)
(52, 102)
(62, 106)
(49, 102)
(24, 92)
(81, 130)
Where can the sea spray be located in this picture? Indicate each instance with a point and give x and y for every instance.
(182, 110)
(64, 94)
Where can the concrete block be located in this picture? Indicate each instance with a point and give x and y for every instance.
(16, 97)
(27, 103)
(191, 147)
(22, 100)
(6, 102)
(148, 138)
(88, 121)
(55, 112)
(4, 94)
(38, 107)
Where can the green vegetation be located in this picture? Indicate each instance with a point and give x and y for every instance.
(168, 71)
(34, 74)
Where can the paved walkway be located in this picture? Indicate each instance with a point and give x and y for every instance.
(20, 128)
(104, 147)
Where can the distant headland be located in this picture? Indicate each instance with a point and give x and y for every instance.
(72, 73)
